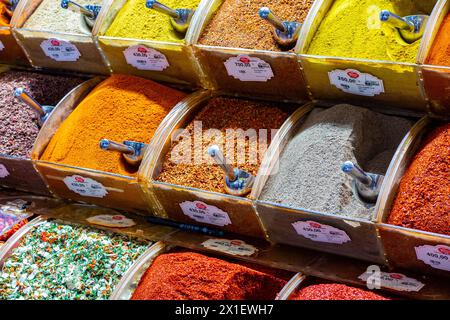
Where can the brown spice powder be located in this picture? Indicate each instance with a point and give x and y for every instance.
(237, 24)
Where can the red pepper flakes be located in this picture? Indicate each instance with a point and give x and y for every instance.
(13, 230)
(423, 199)
(193, 276)
(334, 291)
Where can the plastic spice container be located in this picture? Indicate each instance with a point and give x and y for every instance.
(248, 72)
(236, 214)
(360, 81)
(159, 60)
(58, 50)
(407, 248)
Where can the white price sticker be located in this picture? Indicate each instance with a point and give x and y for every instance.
(2, 46)
(144, 58)
(85, 186)
(114, 221)
(60, 50)
(355, 82)
(320, 232)
(202, 212)
(394, 281)
(233, 247)
(3, 171)
(437, 257)
(247, 68)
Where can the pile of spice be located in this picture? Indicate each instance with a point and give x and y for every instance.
(50, 16)
(67, 262)
(19, 122)
(440, 51)
(136, 21)
(352, 29)
(193, 276)
(5, 13)
(423, 198)
(224, 122)
(120, 108)
(309, 174)
(237, 24)
(334, 291)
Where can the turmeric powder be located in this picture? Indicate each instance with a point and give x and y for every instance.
(5, 13)
(120, 108)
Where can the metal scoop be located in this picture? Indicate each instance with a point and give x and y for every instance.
(411, 28)
(43, 112)
(179, 18)
(132, 151)
(367, 185)
(237, 182)
(286, 32)
(90, 12)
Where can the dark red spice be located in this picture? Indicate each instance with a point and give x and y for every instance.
(193, 276)
(423, 199)
(334, 291)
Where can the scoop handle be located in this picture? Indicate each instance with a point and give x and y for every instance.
(396, 21)
(158, 6)
(106, 144)
(266, 14)
(68, 4)
(23, 95)
(357, 173)
(217, 155)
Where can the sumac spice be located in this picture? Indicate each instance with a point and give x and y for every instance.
(334, 291)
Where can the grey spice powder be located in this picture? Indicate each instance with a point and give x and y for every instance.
(309, 175)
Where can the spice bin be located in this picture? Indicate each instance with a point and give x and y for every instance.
(266, 74)
(360, 81)
(407, 248)
(158, 60)
(58, 50)
(227, 212)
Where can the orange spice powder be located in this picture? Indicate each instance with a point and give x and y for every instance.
(440, 50)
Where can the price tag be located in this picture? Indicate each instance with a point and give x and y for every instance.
(437, 257)
(2, 46)
(320, 232)
(113, 221)
(355, 82)
(85, 186)
(3, 171)
(247, 68)
(202, 212)
(144, 58)
(394, 281)
(60, 50)
(233, 247)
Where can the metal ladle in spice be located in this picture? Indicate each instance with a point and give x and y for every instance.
(90, 12)
(42, 111)
(132, 151)
(367, 185)
(411, 28)
(285, 32)
(179, 18)
(237, 182)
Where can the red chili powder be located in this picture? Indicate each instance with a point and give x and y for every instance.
(193, 276)
(440, 51)
(334, 291)
(423, 199)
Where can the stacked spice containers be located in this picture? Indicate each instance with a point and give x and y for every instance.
(58, 38)
(143, 42)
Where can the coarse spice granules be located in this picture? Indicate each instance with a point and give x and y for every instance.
(67, 262)
(440, 50)
(189, 164)
(193, 276)
(120, 108)
(309, 175)
(19, 122)
(334, 291)
(423, 198)
(237, 24)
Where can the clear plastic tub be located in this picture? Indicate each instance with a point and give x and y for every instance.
(90, 59)
(389, 83)
(407, 248)
(176, 63)
(284, 82)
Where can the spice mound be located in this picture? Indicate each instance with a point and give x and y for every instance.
(440, 51)
(423, 198)
(19, 122)
(309, 174)
(335, 292)
(120, 108)
(5, 13)
(50, 16)
(352, 29)
(193, 276)
(136, 21)
(237, 24)
(67, 262)
(241, 128)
